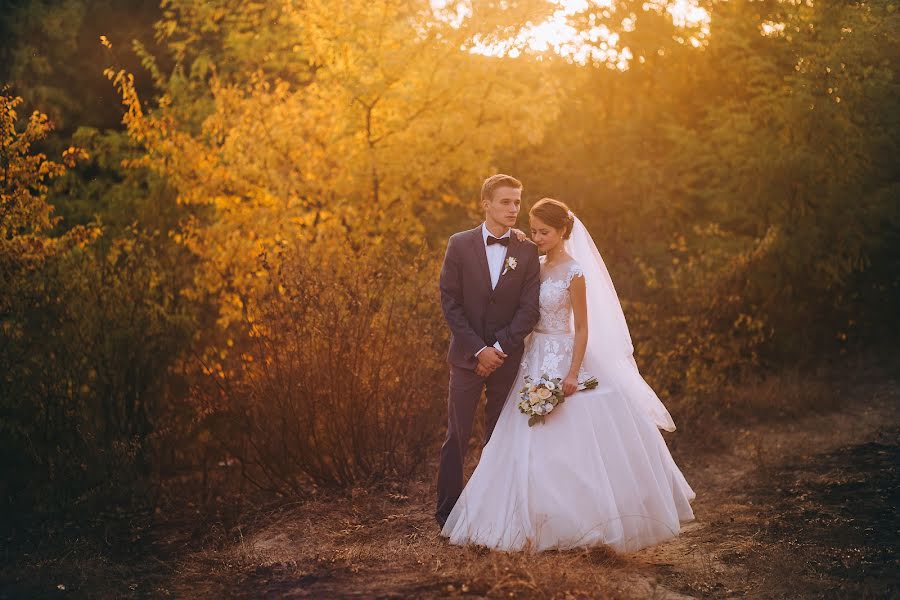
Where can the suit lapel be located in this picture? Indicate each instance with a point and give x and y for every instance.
(481, 254)
(511, 252)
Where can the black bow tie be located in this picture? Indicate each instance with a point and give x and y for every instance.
(504, 241)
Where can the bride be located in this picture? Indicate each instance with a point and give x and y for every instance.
(597, 470)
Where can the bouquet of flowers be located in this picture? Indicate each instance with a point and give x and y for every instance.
(538, 398)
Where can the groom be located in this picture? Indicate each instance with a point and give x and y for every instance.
(490, 283)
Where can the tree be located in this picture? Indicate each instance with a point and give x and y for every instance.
(364, 127)
(25, 215)
(774, 133)
(89, 326)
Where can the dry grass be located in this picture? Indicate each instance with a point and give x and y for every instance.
(787, 395)
(387, 545)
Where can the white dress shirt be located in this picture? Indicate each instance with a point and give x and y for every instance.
(496, 254)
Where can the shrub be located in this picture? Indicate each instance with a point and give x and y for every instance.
(340, 377)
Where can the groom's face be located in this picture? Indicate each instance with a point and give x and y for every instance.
(503, 207)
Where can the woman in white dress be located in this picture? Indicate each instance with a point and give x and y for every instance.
(597, 470)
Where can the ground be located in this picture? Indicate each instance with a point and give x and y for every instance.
(801, 505)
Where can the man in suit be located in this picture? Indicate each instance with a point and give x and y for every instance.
(490, 282)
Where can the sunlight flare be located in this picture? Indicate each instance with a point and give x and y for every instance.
(558, 34)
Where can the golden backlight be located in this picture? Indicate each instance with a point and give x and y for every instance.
(596, 44)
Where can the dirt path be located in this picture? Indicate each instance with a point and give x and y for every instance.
(806, 509)
(803, 508)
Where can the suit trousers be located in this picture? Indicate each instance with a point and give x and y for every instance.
(465, 392)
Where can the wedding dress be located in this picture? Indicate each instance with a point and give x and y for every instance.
(597, 471)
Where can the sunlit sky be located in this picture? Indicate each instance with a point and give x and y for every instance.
(595, 45)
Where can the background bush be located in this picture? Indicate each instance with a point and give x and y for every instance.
(340, 379)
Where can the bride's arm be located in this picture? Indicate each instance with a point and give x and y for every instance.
(578, 296)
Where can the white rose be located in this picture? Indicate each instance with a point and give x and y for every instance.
(544, 393)
(551, 386)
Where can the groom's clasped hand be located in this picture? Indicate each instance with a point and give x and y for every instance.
(489, 360)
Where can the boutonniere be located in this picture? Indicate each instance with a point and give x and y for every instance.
(510, 264)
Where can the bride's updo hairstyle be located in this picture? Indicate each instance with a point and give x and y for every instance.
(555, 214)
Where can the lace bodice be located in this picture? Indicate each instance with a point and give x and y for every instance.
(556, 305)
(550, 349)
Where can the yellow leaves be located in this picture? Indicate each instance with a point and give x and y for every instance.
(309, 219)
(168, 27)
(679, 244)
(80, 236)
(27, 215)
(119, 247)
(47, 168)
(39, 118)
(9, 105)
(72, 155)
(134, 117)
(391, 117)
(649, 274)
(105, 42)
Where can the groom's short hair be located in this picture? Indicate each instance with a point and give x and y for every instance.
(499, 180)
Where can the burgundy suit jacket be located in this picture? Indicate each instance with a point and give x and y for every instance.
(477, 315)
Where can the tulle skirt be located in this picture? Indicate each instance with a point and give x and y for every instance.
(596, 472)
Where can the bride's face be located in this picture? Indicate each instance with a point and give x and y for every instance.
(546, 237)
